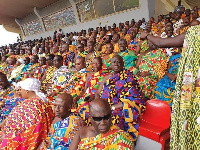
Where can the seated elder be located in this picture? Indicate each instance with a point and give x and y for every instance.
(65, 124)
(122, 91)
(77, 82)
(92, 85)
(28, 123)
(102, 134)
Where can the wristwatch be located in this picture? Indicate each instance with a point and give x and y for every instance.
(113, 108)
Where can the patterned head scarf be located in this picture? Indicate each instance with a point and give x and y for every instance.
(32, 84)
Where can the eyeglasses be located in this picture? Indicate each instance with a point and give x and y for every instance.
(106, 117)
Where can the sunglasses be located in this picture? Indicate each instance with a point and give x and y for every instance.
(106, 117)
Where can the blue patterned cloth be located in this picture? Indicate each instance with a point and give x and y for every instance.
(165, 87)
(123, 87)
(62, 132)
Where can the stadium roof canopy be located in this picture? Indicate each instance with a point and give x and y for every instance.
(11, 9)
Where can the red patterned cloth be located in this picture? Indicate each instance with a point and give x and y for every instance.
(27, 125)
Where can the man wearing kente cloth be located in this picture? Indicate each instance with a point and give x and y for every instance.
(77, 82)
(128, 56)
(101, 135)
(65, 124)
(121, 90)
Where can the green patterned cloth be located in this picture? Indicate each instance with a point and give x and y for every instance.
(186, 103)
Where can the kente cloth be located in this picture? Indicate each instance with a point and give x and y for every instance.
(127, 37)
(82, 54)
(133, 44)
(69, 58)
(8, 70)
(27, 73)
(114, 139)
(49, 74)
(178, 24)
(39, 71)
(61, 77)
(164, 89)
(62, 132)
(182, 30)
(3, 66)
(27, 125)
(154, 62)
(123, 87)
(107, 61)
(129, 59)
(186, 102)
(116, 48)
(8, 106)
(90, 60)
(16, 72)
(93, 85)
(77, 83)
(5, 94)
(144, 46)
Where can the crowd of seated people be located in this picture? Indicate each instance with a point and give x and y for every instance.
(52, 87)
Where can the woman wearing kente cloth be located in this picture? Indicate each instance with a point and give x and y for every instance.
(185, 125)
(91, 87)
(121, 90)
(28, 123)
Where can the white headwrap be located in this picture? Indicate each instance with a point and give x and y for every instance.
(32, 84)
(21, 61)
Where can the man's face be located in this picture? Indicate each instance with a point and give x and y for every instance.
(169, 31)
(60, 107)
(42, 61)
(117, 64)
(96, 65)
(22, 52)
(122, 45)
(27, 61)
(79, 64)
(101, 121)
(90, 47)
(57, 62)
(109, 48)
(3, 82)
(34, 59)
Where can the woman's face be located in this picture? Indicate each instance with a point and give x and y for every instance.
(18, 91)
(23, 93)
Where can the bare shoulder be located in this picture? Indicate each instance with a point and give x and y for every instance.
(87, 132)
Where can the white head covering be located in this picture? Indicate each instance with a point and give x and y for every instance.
(32, 84)
(21, 61)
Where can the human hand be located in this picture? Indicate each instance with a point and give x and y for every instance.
(145, 73)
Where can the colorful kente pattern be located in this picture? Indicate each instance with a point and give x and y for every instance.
(129, 59)
(114, 139)
(165, 87)
(27, 125)
(77, 83)
(154, 62)
(93, 85)
(107, 61)
(123, 87)
(62, 133)
(10, 103)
